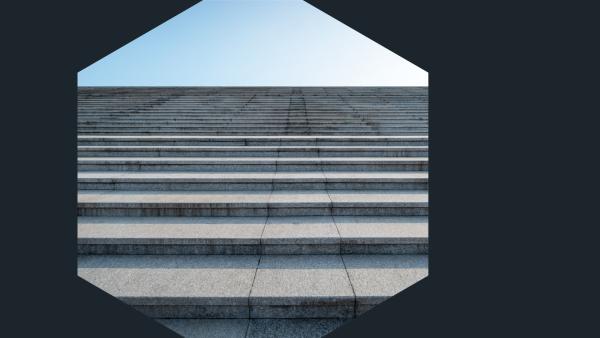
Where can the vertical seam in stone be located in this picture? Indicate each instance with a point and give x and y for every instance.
(340, 244)
(256, 270)
(247, 326)
(351, 286)
(325, 184)
(273, 181)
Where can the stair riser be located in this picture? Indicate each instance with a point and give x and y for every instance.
(251, 143)
(277, 121)
(304, 130)
(219, 186)
(257, 249)
(166, 249)
(281, 119)
(242, 124)
(263, 125)
(154, 264)
(191, 210)
(252, 167)
(246, 119)
(279, 153)
(229, 132)
(341, 310)
(236, 112)
(194, 311)
(331, 310)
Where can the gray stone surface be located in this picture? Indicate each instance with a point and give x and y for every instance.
(245, 138)
(253, 151)
(299, 198)
(301, 280)
(172, 203)
(239, 198)
(111, 176)
(375, 278)
(207, 328)
(384, 249)
(238, 164)
(124, 248)
(170, 230)
(360, 198)
(252, 235)
(328, 187)
(172, 280)
(250, 181)
(299, 203)
(292, 328)
(313, 176)
(300, 235)
(300, 230)
(379, 203)
(380, 176)
(382, 229)
(178, 311)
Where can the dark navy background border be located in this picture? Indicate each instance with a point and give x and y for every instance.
(505, 128)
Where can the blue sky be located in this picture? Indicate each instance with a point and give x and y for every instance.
(252, 43)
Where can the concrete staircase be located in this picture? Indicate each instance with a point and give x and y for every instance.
(253, 212)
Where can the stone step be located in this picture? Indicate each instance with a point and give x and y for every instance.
(271, 122)
(252, 286)
(252, 235)
(226, 112)
(268, 126)
(252, 131)
(224, 107)
(141, 140)
(241, 121)
(239, 112)
(247, 119)
(300, 118)
(357, 127)
(253, 203)
(280, 119)
(252, 151)
(279, 212)
(230, 181)
(230, 132)
(252, 164)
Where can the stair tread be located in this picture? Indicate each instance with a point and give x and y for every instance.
(251, 279)
(250, 148)
(258, 238)
(157, 176)
(165, 230)
(321, 197)
(253, 230)
(170, 280)
(253, 159)
(251, 137)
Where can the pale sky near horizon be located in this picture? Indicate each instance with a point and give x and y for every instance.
(252, 43)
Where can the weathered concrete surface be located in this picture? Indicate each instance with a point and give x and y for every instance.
(253, 328)
(254, 212)
(175, 286)
(304, 286)
(375, 278)
(208, 328)
(253, 235)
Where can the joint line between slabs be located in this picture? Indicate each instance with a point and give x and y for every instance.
(340, 243)
(261, 248)
(256, 271)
